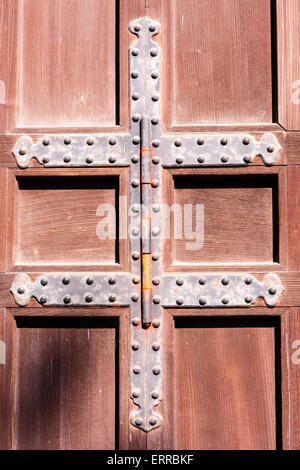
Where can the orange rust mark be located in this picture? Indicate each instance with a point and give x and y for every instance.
(146, 272)
(146, 150)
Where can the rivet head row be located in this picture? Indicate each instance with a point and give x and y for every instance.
(135, 183)
(225, 281)
(138, 421)
(155, 394)
(202, 301)
(156, 346)
(136, 279)
(44, 281)
(46, 141)
(248, 299)
(21, 290)
(89, 298)
(90, 141)
(156, 299)
(272, 291)
(135, 255)
(153, 421)
(67, 299)
(180, 281)
(135, 393)
(135, 297)
(202, 281)
(137, 369)
(180, 300)
(154, 75)
(135, 321)
(89, 281)
(156, 281)
(66, 280)
(155, 143)
(156, 370)
(112, 280)
(43, 299)
(135, 346)
(225, 300)
(154, 52)
(248, 280)
(112, 298)
(156, 323)
(135, 52)
(22, 150)
(134, 74)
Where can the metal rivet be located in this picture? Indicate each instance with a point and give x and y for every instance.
(156, 346)
(135, 321)
(135, 159)
(154, 75)
(178, 143)
(135, 346)
(22, 150)
(155, 143)
(112, 141)
(155, 394)
(179, 160)
(112, 298)
(202, 281)
(112, 159)
(112, 280)
(155, 256)
(135, 52)
(224, 158)
(89, 159)
(66, 280)
(201, 159)
(248, 280)
(155, 232)
(223, 141)
(90, 141)
(155, 97)
(156, 281)
(67, 140)
(156, 299)
(137, 369)
(135, 96)
(154, 52)
(225, 281)
(248, 299)
(180, 282)
(89, 281)
(67, 158)
(43, 299)
(272, 291)
(246, 141)
(135, 255)
(247, 158)
(155, 160)
(200, 141)
(135, 297)
(156, 207)
(156, 370)
(152, 28)
(135, 393)
(44, 281)
(136, 118)
(180, 301)
(45, 159)
(153, 421)
(202, 301)
(136, 279)
(156, 323)
(154, 121)
(46, 141)
(270, 148)
(135, 208)
(138, 421)
(135, 232)
(155, 183)
(136, 140)
(67, 299)
(137, 28)
(21, 290)
(135, 183)
(225, 300)
(134, 74)
(89, 298)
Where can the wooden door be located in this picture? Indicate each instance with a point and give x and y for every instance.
(116, 321)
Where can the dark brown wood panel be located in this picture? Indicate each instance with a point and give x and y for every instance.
(65, 383)
(225, 383)
(217, 61)
(58, 39)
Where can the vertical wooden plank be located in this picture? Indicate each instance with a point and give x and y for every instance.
(294, 217)
(288, 40)
(291, 378)
(7, 336)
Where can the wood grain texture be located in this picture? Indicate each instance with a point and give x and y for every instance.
(225, 385)
(66, 396)
(291, 378)
(58, 40)
(288, 40)
(217, 61)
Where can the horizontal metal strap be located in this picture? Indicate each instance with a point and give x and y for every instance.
(76, 150)
(216, 149)
(219, 290)
(76, 289)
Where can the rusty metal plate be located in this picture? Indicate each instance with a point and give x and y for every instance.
(219, 290)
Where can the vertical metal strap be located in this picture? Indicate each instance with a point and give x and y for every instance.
(146, 363)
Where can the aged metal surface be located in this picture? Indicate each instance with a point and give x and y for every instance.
(219, 290)
(75, 289)
(146, 355)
